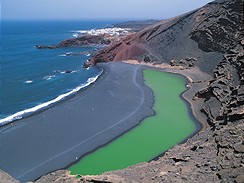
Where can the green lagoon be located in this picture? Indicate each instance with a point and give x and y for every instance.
(170, 125)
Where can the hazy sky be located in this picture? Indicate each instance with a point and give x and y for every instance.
(96, 9)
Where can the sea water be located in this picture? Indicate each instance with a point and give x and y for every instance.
(31, 78)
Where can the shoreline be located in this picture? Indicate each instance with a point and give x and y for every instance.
(139, 74)
(139, 128)
(193, 76)
(48, 104)
(107, 69)
(200, 125)
(61, 128)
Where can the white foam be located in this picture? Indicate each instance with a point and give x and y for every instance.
(56, 71)
(20, 114)
(82, 31)
(74, 71)
(63, 55)
(77, 33)
(65, 72)
(49, 77)
(29, 81)
(66, 54)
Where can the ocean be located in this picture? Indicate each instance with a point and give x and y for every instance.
(33, 79)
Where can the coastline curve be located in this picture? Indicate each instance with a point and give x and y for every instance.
(63, 126)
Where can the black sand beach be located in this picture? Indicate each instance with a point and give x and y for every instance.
(54, 138)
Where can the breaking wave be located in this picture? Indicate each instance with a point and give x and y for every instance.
(28, 81)
(21, 114)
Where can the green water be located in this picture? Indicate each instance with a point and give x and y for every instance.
(154, 135)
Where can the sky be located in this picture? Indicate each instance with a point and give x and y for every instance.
(96, 9)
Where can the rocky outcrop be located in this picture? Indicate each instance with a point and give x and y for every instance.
(224, 97)
(85, 40)
(218, 26)
(186, 63)
(6, 178)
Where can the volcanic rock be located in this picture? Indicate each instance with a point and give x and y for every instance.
(85, 40)
(6, 178)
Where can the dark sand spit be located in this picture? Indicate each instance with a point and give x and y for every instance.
(54, 138)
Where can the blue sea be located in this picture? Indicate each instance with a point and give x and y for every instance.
(33, 79)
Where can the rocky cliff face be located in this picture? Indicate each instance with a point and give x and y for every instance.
(224, 97)
(222, 31)
(218, 26)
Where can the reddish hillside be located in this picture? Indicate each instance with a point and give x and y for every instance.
(205, 34)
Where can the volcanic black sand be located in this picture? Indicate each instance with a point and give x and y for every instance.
(54, 138)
